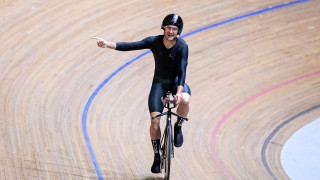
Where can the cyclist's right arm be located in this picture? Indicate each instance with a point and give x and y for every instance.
(129, 46)
(125, 46)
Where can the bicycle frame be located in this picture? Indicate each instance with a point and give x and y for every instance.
(167, 138)
(167, 148)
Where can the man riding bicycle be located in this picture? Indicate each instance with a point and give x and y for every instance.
(171, 59)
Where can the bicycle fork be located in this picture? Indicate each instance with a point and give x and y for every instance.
(168, 130)
(171, 132)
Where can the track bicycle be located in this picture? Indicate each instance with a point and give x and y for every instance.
(166, 145)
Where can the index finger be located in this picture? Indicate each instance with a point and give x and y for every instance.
(96, 38)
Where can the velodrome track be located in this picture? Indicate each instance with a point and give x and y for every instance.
(69, 112)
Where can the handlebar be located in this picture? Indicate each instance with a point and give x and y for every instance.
(166, 103)
(159, 115)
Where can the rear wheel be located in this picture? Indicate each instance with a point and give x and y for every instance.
(168, 153)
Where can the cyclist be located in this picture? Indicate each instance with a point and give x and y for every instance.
(171, 58)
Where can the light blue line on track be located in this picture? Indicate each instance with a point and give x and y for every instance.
(94, 94)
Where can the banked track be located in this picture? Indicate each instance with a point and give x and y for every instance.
(50, 67)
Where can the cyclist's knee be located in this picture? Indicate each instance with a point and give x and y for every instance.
(155, 121)
(185, 99)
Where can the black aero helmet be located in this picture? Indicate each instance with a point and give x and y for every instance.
(173, 19)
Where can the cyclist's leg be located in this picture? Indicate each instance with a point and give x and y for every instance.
(155, 132)
(183, 108)
(155, 108)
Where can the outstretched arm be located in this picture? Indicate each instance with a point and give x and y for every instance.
(124, 46)
(104, 44)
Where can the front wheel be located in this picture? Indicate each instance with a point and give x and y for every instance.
(168, 153)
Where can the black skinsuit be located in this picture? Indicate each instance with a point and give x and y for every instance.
(170, 67)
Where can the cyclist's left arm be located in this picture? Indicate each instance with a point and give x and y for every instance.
(182, 69)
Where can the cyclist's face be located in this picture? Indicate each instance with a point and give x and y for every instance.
(170, 32)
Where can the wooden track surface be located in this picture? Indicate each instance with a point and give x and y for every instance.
(50, 67)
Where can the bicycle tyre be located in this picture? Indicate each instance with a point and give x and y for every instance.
(168, 153)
